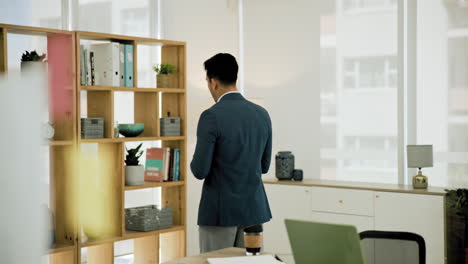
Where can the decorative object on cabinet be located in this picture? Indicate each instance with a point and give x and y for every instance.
(420, 156)
(134, 172)
(92, 127)
(131, 130)
(284, 165)
(164, 75)
(298, 175)
(457, 223)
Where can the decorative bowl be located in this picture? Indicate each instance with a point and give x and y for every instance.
(131, 130)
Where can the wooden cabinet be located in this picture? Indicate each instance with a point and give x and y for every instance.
(365, 209)
(286, 202)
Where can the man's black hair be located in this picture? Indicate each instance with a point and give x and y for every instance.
(222, 67)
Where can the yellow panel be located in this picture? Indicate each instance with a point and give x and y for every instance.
(101, 195)
(63, 192)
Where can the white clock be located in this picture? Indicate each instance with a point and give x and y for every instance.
(48, 130)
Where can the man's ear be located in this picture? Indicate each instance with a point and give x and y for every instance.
(214, 83)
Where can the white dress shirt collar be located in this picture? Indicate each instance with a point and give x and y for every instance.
(219, 99)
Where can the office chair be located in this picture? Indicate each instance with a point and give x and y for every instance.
(382, 247)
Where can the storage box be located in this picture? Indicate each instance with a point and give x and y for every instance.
(148, 218)
(92, 127)
(170, 126)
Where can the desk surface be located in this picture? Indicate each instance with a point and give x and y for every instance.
(202, 259)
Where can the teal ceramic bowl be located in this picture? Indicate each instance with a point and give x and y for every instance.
(131, 130)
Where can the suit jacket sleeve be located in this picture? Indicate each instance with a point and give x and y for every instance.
(266, 158)
(206, 140)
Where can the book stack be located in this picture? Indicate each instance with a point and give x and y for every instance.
(92, 127)
(106, 64)
(162, 164)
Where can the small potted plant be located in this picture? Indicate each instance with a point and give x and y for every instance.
(32, 60)
(457, 225)
(164, 75)
(134, 172)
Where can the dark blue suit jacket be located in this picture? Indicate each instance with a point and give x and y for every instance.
(233, 150)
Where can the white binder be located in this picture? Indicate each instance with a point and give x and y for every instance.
(106, 64)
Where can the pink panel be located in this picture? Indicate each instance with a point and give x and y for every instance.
(60, 65)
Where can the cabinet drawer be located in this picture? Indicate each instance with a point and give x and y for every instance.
(342, 201)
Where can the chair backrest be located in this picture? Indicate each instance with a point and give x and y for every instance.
(382, 247)
(313, 242)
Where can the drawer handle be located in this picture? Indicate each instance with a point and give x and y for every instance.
(340, 201)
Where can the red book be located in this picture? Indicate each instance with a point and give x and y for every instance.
(154, 166)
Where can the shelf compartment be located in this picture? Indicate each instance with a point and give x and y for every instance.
(175, 55)
(146, 112)
(175, 198)
(172, 245)
(100, 104)
(155, 185)
(173, 105)
(101, 254)
(145, 249)
(64, 256)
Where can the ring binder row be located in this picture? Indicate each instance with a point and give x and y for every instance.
(106, 64)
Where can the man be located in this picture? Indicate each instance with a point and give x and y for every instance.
(233, 150)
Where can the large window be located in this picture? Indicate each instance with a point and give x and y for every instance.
(442, 88)
(359, 91)
(360, 116)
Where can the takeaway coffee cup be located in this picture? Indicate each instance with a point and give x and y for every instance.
(253, 236)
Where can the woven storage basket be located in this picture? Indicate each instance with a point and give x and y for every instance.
(148, 218)
(92, 127)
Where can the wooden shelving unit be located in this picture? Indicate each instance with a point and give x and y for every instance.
(87, 189)
(149, 106)
(62, 113)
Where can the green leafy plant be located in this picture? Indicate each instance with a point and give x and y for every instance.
(458, 200)
(32, 56)
(164, 68)
(133, 156)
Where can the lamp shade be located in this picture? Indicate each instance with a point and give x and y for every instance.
(419, 156)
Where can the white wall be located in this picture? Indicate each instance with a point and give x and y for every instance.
(208, 27)
(281, 67)
(282, 51)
